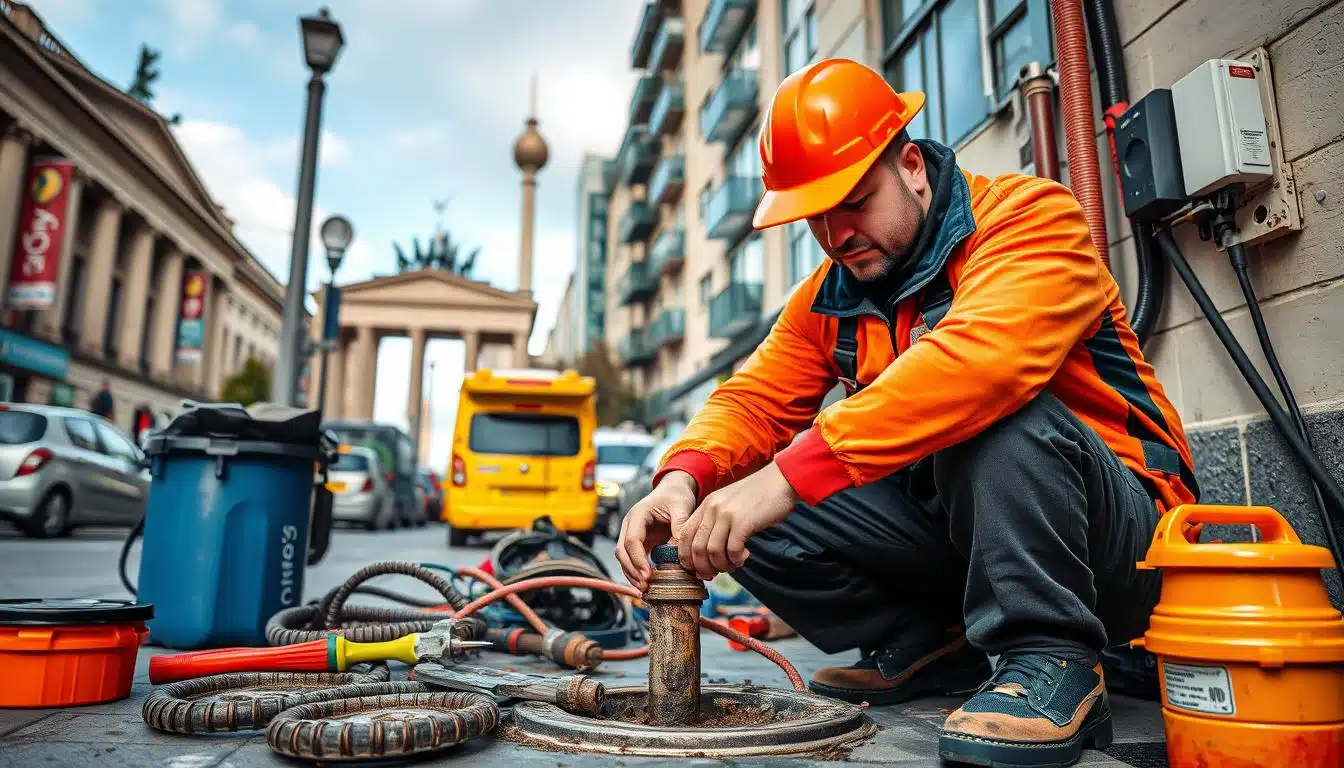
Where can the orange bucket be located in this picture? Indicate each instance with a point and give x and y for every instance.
(62, 653)
(1250, 651)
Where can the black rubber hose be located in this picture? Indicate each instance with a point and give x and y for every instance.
(1325, 483)
(1107, 55)
(1152, 283)
(135, 533)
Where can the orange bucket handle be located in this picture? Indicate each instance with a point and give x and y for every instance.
(1273, 528)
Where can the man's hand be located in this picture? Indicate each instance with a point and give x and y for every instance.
(714, 539)
(653, 521)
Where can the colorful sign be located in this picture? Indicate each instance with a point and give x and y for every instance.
(42, 232)
(191, 321)
(29, 354)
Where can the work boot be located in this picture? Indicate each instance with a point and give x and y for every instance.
(943, 665)
(1037, 710)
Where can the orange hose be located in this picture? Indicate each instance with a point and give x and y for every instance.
(1075, 97)
(505, 592)
(533, 620)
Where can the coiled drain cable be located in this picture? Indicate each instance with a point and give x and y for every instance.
(248, 700)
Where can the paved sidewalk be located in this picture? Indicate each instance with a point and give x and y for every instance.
(115, 735)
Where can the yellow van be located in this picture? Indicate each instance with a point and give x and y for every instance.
(523, 448)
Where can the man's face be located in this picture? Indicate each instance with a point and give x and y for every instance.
(873, 230)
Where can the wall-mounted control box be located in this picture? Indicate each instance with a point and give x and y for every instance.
(1221, 124)
(1150, 158)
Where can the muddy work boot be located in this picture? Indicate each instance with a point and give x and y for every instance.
(946, 665)
(1036, 711)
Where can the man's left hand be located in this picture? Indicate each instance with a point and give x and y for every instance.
(713, 539)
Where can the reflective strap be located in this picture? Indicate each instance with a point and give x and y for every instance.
(847, 353)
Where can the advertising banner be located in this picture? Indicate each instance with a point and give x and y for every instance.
(43, 227)
(191, 322)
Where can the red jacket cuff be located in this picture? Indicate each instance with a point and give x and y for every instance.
(812, 469)
(698, 465)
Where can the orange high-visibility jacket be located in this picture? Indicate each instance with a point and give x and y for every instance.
(1033, 309)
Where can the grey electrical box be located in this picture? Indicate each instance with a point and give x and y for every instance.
(1150, 157)
(1221, 124)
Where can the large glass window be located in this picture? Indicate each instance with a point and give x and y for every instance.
(805, 253)
(745, 159)
(1019, 34)
(747, 263)
(935, 48)
(515, 434)
(800, 34)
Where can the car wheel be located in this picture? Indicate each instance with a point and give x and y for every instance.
(614, 526)
(456, 537)
(51, 518)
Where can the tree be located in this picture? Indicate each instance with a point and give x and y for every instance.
(249, 385)
(615, 401)
(145, 74)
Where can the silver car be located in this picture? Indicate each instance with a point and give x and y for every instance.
(61, 468)
(360, 491)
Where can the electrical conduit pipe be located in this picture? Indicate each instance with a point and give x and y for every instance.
(1075, 95)
(1038, 93)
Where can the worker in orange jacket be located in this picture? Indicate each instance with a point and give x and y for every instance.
(1000, 460)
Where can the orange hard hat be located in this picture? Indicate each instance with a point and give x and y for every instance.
(828, 123)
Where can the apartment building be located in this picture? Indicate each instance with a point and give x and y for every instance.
(143, 283)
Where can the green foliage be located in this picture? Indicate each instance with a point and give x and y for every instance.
(615, 402)
(252, 383)
(146, 73)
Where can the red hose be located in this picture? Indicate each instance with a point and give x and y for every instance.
(506, 592)
(1075, 96)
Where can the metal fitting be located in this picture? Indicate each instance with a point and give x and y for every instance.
(673, 597)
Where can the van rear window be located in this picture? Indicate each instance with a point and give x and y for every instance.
(17, 427)
(523, 434)
(350, 462)
(630, 455)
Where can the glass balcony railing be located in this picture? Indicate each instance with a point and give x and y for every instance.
(638, 283)
(669, 251)
(728, 212)
(646, 92)
(723, 24)
(635, 349)
(668, 45)
(668, 179)
(668, 110)
(638, 156)
(655, 407)
(637, 223)
(730, 108)
(669, 328)
(734, 310)
(644, 34)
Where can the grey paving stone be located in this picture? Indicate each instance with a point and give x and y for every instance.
(66, 754)
(12, 720)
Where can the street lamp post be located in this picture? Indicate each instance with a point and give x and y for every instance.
(336, 236)
(322, 41)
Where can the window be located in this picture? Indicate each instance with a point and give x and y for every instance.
(515, 434)
(350, 462)
(19, 427)
(747, 55)
(937, 51)
(800, 34)
(805, 253)
(1019, 34)
(705, 193)
(706, 291)
(80, 432)
(747, 264)
(629, 455)
(745, 159)
(115, 445)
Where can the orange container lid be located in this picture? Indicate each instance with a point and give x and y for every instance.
(1279, 547)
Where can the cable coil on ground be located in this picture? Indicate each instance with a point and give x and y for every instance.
(248, 700)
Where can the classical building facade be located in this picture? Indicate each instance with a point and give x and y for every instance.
(115, 263)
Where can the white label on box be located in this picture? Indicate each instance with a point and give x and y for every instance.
(1199, 689)
(1254, 147)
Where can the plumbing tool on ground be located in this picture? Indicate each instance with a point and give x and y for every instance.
(331, 654)
(762, 626)
(568, 649)
(573, 693)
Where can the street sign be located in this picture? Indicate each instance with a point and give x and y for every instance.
(331, 314)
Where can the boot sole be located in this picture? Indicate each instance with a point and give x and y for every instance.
(949, 684)
(1097, 732)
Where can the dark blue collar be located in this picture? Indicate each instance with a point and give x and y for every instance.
(951, 220)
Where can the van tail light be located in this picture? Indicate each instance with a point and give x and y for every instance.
(389, 476)
(368, 485)
(34, 462)
(590, 475)
(459, 471)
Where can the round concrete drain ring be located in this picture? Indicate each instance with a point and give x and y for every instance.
(736, 721)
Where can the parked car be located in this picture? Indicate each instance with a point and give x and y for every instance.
(433, 485)
(396, 454)
(361, 493)
(61, 468)
(619, 454)
(641, 483)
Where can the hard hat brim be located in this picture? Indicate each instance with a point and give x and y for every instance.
(804, 201)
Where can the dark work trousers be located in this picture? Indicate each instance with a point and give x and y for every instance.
(1026, 534)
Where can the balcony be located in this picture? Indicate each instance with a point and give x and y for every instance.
(730, 109)
(646, 92)
(669, 328)
(638, 155)
(635, 349)
(643, 43)
(669, 251)
(734, 310)
(665, 117)
(655, 408)
(637, 223)
(668, 180)
(724, 23)
(668, 45)
(639, 283)
(728, 212)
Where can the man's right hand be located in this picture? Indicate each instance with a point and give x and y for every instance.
(655, 520)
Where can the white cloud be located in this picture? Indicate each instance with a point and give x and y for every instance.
(244, 32)
(58, 13)
(192, 22)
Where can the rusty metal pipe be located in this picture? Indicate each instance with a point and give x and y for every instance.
(1038, 90)
(673, 597)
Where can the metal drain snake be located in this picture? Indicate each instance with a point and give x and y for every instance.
(247, 700)
(392, 724)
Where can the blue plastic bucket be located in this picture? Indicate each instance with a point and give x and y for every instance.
(226, 537)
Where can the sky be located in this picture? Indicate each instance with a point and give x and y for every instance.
(423, 105)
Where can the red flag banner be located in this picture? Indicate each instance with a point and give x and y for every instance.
(43, 227)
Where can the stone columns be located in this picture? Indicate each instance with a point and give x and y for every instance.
(13, 167)
(50, 320)
(135, 295)
(473, 340)
(102, 261)
(167, 307)
(414, 398)
(335, 400)
(365, 363)
(519, 351)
